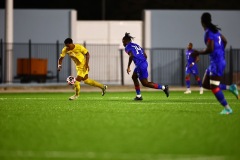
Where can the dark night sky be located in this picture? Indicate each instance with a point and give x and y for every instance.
(121, 9)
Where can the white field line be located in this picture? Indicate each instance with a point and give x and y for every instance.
(112, 98)
(106, 155)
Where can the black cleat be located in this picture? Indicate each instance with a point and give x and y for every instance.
(104, 89)
(166, 90)
(138, 98)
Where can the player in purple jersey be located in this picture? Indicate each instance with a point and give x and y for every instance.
(191, 68)
(139, 57)
(215, 47)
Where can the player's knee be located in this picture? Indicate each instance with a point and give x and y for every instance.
(145, 84)
(197, 78)
(134, 78)
(86, 81)
(215, 89)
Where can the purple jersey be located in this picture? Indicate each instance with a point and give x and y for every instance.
(218, 53)
(138, 53)
(189, 58)
(217, 57)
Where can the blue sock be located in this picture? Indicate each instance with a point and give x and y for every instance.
(187, 80)
(157, 86)
(137, 88)
(223, 86)
(199, 82)
(219, 95)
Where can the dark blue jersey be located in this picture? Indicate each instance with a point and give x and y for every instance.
(218, 53)
(138, 53)
(189, 58)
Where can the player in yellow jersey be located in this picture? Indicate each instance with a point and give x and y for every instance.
(80, 56)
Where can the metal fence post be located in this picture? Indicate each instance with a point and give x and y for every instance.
(57, 53)
(1, 60)
(183, 66)
(30, 58)
(121, 59)
(231, 66)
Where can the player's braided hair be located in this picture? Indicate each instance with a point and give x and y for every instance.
(128, 37)
(207, 20)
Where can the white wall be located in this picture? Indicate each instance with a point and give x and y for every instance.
(40, 25)
(109, 32)
(175, 28)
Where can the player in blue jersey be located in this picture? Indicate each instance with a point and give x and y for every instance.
(191, 68)
(139, 57)
(215, 47)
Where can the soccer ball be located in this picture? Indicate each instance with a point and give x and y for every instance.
(71, 80)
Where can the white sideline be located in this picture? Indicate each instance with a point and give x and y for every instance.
(105, 155)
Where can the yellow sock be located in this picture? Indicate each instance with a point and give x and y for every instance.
(77, 87)
(93, 83)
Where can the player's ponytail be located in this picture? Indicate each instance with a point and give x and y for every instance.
(128, 37)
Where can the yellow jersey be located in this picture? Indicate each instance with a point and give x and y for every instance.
(77, 54)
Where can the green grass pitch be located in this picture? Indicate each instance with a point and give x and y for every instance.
(42, 126)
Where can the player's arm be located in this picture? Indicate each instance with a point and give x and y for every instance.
(224, 41)
(60, 63)
(209, 49)
(196, 60)
(129, 61)
(145, 55)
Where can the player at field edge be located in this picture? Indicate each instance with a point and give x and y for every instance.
(80, 56)
(215, 47)
(191, 68)
(139, 57)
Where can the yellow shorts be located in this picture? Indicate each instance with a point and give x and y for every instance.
(81, 71)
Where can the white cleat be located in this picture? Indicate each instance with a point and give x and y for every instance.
(188, 91)
(73, 97)
(201, 90)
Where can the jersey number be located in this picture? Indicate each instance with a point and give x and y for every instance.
(219, 40)
(137, 49)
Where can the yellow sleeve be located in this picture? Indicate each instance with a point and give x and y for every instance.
(83, 50)
(64, 51)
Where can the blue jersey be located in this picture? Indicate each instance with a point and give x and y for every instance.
(217, 57)
(218, 54)
(138, 53)
(193, 69)
(189, 58)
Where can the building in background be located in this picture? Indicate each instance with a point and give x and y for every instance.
(159, 29)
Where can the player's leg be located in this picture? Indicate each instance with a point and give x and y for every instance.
(198, 79)
(232, 88)
(94, 83)
(187, 81)
(194, 71)
(143, 76)
(214, 84)
(215, 73)
(137, 85)
(145, 83)
(76, 87)
(206, 80)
